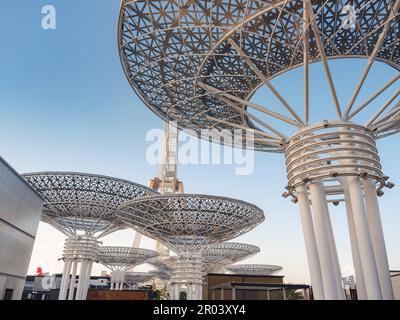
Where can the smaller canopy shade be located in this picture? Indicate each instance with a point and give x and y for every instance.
(227, 253)
(254, 269)
(190, 222)
(136, 278)
(123, 258)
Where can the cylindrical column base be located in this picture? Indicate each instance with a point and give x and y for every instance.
(188, 272)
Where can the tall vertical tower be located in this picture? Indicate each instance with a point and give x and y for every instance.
(166, 182)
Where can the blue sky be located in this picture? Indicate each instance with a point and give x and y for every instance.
(65, 105)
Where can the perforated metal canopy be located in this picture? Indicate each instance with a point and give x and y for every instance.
(225, 254)
(123, 258)
(163, 264)
(200, 62)
(80, 202)
(160, 275)
(136, 278)
(190, 223)
(254, 269)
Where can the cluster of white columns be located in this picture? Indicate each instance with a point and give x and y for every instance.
(79, 255)
(193, 291)
(320, 244)
(117, 280)
(354, 166)
(187, 277)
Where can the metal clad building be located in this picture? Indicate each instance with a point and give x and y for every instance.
(20, 211)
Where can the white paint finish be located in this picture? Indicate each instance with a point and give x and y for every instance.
(318, 201)
(364, 239)
(378, 240)
(360, 283)
(310, 242)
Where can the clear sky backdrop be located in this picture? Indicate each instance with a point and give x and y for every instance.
(65, 105)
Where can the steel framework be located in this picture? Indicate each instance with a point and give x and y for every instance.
(254, 269)
(163, 265)
(221, 256)
(134, 279)
(167, 180)
(200, 64)
(83, 207)
(121, 259)
(189, 224)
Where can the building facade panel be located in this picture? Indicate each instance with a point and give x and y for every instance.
(19, 204)
(20, 211)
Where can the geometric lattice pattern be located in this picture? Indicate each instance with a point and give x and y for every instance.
(227, 253)
(133, 279)
(254, 269)
(162, 264)
(200, 62)
(123, 258)
(190, 223)
(81, 202)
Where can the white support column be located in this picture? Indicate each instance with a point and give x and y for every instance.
(81, 281)
(310, 242)
(318, 200)
(177, 291)
(65, 279)
(378, 240)
(361, 293)
(72, 282)
(189, 292)
(364, 239)
(87, 280)
(199, 292)
(334, 255)
(171, 292)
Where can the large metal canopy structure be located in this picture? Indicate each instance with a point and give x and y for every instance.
(121, 259)
(189, 224)
(254, 269)
(201, 62)
(221, 256)
(83, 207)
(82, 203)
